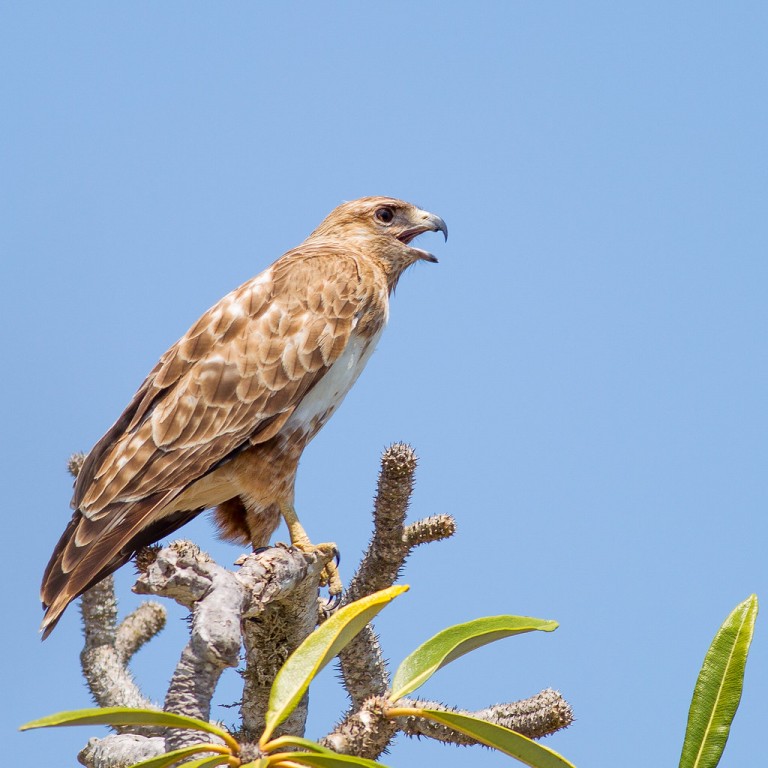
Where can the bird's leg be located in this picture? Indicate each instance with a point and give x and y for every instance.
(299, 539)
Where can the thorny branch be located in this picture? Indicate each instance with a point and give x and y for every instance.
(362, 732)
(537, 716)
(104, 659)
(269, 605)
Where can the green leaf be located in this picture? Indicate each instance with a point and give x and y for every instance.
(205, 762)
(510, 742)
(128, 716)
(718, 689)
(333, 760)
(317, 650)
(169, 758)
(296, 741)
(454, 642)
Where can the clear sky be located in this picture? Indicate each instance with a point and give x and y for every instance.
(583, 375)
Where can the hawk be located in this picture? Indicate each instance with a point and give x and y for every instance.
(222, 419)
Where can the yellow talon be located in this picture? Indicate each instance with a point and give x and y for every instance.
(330, 575)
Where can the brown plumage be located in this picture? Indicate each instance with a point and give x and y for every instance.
(222, 419)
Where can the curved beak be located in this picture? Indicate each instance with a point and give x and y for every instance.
(437, 224)
(429, 223)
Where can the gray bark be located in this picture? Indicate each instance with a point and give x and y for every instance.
(267, 607)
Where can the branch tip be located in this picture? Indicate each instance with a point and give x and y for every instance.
(75, 463)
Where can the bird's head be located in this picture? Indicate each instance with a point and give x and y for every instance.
(383, 227)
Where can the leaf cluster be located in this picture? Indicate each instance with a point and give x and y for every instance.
(716, 695)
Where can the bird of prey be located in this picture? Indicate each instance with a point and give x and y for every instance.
(222, 419)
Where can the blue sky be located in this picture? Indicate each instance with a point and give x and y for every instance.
(583, 375)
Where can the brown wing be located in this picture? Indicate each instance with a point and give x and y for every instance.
(231, 381)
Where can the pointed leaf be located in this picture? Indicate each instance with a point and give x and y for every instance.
(317, 650)
(718, 688)
(170, 758)
(333, 760)
(510, 742)
(453, 642)
(206, 762)
(128, 716)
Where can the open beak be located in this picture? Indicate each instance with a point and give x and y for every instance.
(429, 223)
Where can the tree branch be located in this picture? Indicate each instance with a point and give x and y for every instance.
(119, 750)
(362, 662)
(184, 573)
(138, 628)
(386, 553)
(368, 731)
(105, 662)
(271, 602)
(283, 611)
(535, 717)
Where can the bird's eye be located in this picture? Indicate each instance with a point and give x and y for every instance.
(384, 215)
